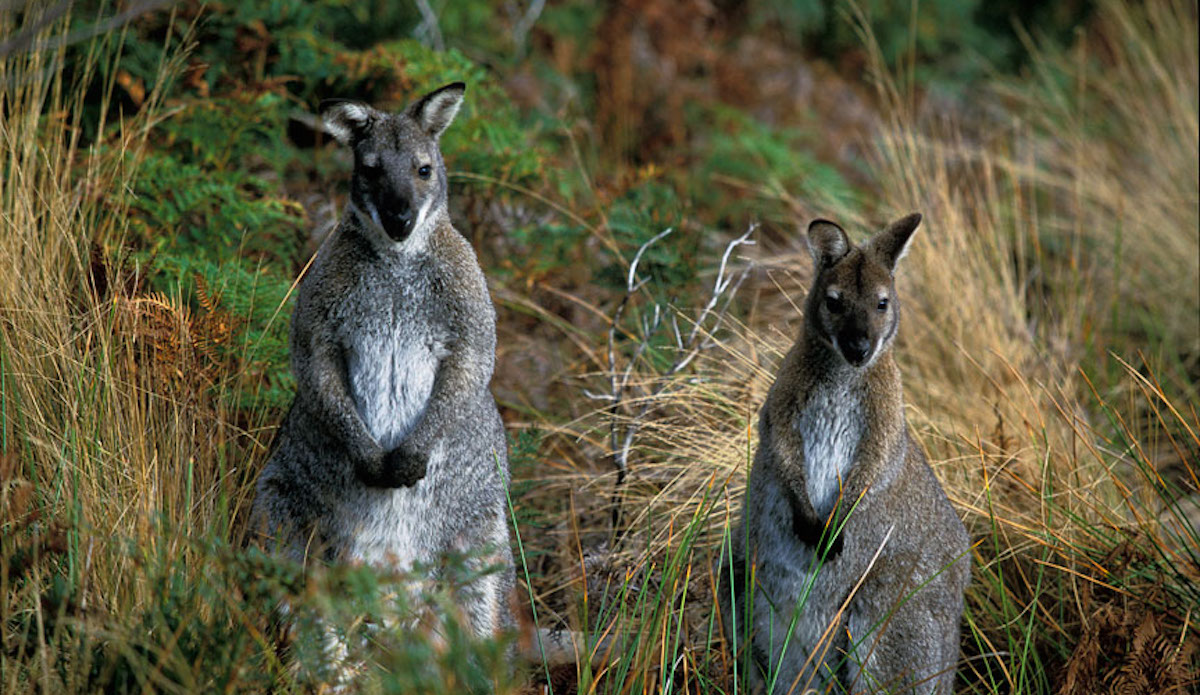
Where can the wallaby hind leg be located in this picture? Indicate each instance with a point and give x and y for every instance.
(484, 599)
(483, 604)
(912, 652)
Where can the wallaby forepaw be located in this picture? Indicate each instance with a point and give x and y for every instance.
(403, 467)
(396, 468)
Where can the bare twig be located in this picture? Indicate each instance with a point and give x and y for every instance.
(630, 287)
(429, 26)
(623, 430)
(524, 23)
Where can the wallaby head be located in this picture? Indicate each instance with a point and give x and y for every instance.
(852, 306)
(399, 180)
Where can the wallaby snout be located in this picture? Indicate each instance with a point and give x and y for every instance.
(396, 214)
(386, 190)
(855, 339)
(855, 343)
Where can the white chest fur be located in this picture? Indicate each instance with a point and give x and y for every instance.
(830, 426)
(391, 374)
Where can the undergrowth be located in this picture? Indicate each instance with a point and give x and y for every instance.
(162, 186)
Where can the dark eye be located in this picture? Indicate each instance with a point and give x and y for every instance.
(373, 171)
(424, 171)
(883, 304)
(834, 304)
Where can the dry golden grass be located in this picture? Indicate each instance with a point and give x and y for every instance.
(108, 410)
(1056, 241)
(1059, 251)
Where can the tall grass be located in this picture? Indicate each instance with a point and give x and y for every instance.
(127, 463)
(1049, 353)
(1049, 346)
(108, 440)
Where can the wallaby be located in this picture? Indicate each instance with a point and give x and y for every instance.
(393, 452)
(845, 530)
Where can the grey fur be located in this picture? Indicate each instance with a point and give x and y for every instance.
(393, 451)
(834, 446)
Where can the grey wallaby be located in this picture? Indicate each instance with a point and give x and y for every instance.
(857, 558)
(393, 452)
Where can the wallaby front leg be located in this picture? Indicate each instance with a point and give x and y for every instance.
(807, 525)
(331, 393)
(810, 529)
(455, 388)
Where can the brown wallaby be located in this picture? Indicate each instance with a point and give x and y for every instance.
(848, 571)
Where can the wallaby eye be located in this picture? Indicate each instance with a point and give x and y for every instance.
(834, 304)
(424, 171)
(883, 304)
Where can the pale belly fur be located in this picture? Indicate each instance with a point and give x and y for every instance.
(394, 528)
(391, 381)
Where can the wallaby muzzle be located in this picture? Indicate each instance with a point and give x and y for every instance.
(396, 216)
(398, 225)
(855, 346)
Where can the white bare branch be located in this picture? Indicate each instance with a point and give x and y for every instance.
(637, 258)
(628, 415)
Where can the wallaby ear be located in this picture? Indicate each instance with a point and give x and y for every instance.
(827, 242)
(435, 111)
(345, 120)
(891, 244)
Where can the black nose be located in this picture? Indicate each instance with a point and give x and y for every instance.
(398, 221)
(855, 348)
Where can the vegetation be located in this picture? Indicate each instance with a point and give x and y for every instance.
(162, 186)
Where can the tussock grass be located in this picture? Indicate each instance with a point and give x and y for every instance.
(1048, 347)
(108, 437)
(1050, 351)
(127, 464)
(80, 413)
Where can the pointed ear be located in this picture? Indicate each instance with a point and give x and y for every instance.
(827, 242)
(434, 111)
(891, 244)
(345, 120)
